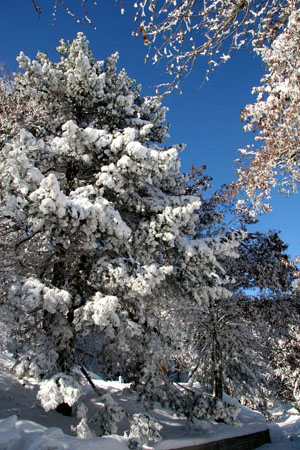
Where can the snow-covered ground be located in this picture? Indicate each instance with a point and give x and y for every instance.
(284, 429)
(26, 426)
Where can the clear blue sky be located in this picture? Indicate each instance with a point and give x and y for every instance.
(206, 119)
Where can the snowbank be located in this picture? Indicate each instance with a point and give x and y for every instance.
(25, 435)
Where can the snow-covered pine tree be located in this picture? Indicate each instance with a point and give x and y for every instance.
(256, 324)
(230, 339)
(273, 320)
(283, 318)
(106, 231)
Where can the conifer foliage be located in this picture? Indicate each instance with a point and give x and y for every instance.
(102, 224)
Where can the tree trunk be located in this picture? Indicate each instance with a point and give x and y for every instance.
(218, 384)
